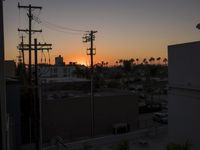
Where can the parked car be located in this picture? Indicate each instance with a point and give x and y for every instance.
(160, 117)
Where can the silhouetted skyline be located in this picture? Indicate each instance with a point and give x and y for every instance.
(126, 28)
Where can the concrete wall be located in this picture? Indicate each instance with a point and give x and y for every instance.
(184, 117)
(14, 114)
(184, 94)
(184, 64)
(10, 68)
(71, 118)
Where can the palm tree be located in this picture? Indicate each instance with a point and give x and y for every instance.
(117, 62)
(120, 61)
(102, 63)
(165, 61)
(137, 59)
(145, 61)
(151, 59)
(158, 59)
(132, 61)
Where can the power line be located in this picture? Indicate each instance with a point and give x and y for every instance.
(64, 28)
(36, 16)
(58, 30)
(42, 21)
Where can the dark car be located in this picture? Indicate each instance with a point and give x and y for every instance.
(160, 117)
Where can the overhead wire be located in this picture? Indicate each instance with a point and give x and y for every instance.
(64, 28)
(36, 15)
(56, 27)
(58, 30)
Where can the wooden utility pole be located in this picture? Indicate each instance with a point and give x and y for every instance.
(37, 102)
(22, 43)
(30, 31)
(91, 51)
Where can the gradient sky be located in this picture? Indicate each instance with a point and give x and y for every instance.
(126, 28)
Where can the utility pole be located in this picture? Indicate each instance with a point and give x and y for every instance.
(37, 101)
(30, 31)
(91, 51)
(22, 43)
(3, 120)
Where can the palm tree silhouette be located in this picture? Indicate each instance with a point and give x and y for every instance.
(120, 61)
(158, 59)
(165, 61)
(151, 60)
(145, 61)
(132, 61)
(137, 59)
(117, 62)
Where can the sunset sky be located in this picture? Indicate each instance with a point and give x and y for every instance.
(126, 28)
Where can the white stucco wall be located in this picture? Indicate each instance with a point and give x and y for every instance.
(184, 93)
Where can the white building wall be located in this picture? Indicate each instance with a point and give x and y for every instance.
(56, 71)
(184, 94)
(184, 63)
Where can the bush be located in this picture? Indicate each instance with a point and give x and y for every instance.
(123, 145)
(174, 146)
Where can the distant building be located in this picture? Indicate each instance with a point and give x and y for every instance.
(184, 93)
(59, 61)
(10, 68)
(59, 71)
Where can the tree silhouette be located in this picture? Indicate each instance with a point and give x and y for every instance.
(117, 62)
(127, 65)
(173, 146)
(158, 59)
(132, 60)
(145, 61)
(120, 61)
(137, 59)
(165, 61)
(151, 60)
